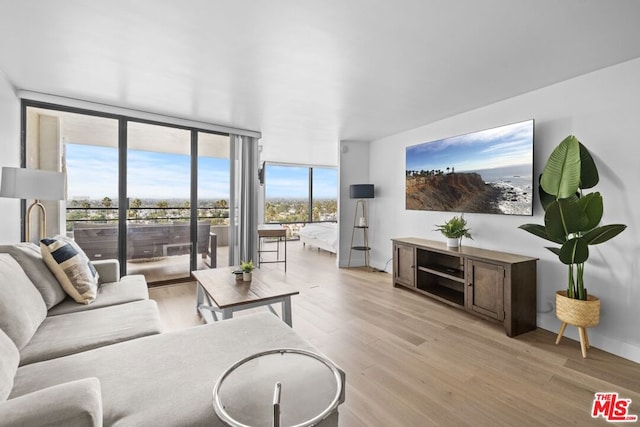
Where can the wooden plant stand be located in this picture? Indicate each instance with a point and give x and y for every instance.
(581, 314)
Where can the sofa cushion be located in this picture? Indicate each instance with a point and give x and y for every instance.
(72, 333)
(108, 269)
(9, 359)
(128, 289)
(72, 268)
(164, 379)
(30, 259)
(71, 404)
(22, 308)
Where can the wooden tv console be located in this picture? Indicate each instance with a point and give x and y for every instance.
(493, 285)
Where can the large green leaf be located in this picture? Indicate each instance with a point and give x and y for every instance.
(588, 170)
(554, 250)
(604, 233)
(592, 206)
(539, 231)
(561, 174)
(564, 217)
(574, 251)
(545, 198)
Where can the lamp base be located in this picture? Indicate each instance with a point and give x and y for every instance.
(43, 220)
(360, 223)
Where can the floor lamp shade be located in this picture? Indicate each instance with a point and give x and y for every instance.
(20, 183)
(36, 184)
(361, 191)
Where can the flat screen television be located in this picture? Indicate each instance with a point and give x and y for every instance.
(490, 171)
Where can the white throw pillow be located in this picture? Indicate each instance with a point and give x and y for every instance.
(71, 266)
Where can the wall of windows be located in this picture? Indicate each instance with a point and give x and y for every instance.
(130, 189)
(296, 195)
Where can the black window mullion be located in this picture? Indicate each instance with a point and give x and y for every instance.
(194, 200)
(310, 215)
(123, 199)
(23, 164)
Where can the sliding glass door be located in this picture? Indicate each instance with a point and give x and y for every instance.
(214, 194)
(157, 197)
(158, 191)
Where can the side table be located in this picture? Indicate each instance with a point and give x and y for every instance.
(288, 387)
(271, 231)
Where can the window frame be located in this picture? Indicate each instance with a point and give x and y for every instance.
(123, 121)
(310, 204)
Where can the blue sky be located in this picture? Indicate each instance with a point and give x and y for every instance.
(293, 182)
(92, 171)
(508, 145)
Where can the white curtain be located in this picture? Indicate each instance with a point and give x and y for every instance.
(244, 197)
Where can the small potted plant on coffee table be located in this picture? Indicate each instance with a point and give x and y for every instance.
(247, 268)
(454, 230)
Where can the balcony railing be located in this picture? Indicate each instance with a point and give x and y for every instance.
(293, 227)
(151, 231)
(154, 214)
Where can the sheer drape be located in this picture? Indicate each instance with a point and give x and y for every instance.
(244, 196)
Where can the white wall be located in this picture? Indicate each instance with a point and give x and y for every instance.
(603, 110)
(354, 169)
(45, 154)
(9, 156)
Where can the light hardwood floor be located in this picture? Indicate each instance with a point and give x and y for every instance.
(411, 361)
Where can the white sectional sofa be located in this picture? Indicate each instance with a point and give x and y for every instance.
(107, 363)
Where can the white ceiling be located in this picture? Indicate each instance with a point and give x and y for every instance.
(309, 73)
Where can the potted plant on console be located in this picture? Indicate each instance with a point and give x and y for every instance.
(572, 220)
(454, 230)
(247, 268)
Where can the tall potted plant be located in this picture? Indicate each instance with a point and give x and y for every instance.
(572, 220)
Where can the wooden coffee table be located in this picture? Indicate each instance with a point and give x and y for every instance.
(220, 293)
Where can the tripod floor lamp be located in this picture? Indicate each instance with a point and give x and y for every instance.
(361, 192)
(36, 184)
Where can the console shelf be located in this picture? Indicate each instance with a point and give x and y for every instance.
(491, 284)
(438, 270)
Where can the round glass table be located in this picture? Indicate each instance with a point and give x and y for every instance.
(280, 387)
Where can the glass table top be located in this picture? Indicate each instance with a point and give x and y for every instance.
(311, 388)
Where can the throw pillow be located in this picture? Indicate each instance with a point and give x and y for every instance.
(71, 266)
(30, 259)
(22, 308)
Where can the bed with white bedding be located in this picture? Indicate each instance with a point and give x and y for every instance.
(322, 235)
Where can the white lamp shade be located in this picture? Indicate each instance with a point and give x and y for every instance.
(20, 183)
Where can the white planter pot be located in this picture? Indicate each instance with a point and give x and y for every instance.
(246, 277)
(453, 242)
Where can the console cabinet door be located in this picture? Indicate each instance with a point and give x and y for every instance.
(485, 289)
(404, 260)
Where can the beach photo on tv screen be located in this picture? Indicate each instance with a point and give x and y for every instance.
(489, 171)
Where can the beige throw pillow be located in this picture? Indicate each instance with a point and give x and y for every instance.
(71, 266)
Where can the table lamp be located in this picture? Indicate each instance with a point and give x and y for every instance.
(36, 184)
